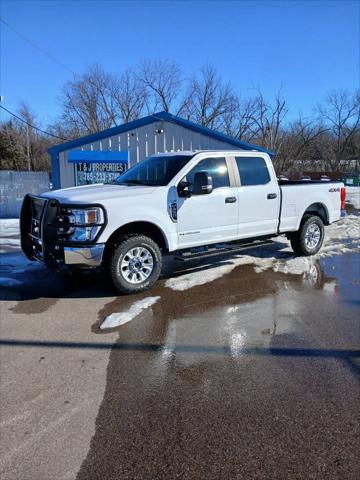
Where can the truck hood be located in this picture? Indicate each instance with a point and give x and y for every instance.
(97, 193)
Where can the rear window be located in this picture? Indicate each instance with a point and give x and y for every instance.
(252, 170)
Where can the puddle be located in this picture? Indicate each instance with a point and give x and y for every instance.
(225, 372)
(263, 356)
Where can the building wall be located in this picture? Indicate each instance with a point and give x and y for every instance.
(142, 142)
(14, 185)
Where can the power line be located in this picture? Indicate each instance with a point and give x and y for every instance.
(32, 126)
(45, 52)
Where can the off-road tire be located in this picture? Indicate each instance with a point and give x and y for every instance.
(126, 243)
(298, 239)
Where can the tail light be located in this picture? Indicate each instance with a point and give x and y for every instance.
(342, 197)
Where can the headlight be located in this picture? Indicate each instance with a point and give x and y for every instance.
(89, 216)
(80, 224)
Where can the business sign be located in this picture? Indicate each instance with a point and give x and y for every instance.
(87, 173)
(97, 166)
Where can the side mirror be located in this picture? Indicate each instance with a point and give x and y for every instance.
(183, 189)
(203, 183)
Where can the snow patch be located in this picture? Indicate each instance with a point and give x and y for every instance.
(340, 237)
(9, 227)
(348, 228)
(12, 242)
(116, 319)
(292, 266)
(353, 196)
(190, 280)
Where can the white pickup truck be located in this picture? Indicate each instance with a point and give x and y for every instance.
(183, 203)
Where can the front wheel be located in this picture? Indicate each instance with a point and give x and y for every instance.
(310, 236)
(135, 264)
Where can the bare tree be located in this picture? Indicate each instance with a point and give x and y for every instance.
(12, 152)
(129, 95)
(299, 146)
(341, 113)
(87, 103)
(96, 100)
(209, 101)
(163, 81)
(63, 130)
(240, 121)
(23, 147)
(35, 143)
(27, 132)
(267, 119)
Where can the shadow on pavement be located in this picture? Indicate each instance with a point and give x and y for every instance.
(341, 354)
(36, 281)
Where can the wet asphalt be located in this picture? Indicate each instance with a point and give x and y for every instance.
(251, 376)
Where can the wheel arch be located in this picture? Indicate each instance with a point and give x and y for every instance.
(142, 228)
(317, 209)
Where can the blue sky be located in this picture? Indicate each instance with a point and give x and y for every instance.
(310, 47)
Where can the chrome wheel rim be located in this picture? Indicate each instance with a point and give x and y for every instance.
(313, 275)
(312, 236)
(137, 265)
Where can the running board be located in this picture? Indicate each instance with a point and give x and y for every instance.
(205, 252)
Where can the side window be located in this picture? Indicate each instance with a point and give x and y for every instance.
(252, 170)
(216, 167)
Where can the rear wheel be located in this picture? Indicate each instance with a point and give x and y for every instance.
(310, 236)
(135, 264)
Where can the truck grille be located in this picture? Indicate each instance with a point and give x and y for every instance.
(37, 210)
(39, 230)
(31, 221)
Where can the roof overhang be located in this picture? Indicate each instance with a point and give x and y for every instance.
(156, 117)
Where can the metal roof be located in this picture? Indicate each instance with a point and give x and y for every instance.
(160, 116)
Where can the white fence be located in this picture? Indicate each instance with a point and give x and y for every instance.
(15, 185)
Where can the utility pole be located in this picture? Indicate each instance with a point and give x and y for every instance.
(28, 147)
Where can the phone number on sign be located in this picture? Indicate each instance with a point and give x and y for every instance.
(91, 177)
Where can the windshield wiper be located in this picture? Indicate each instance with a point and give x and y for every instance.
(135, 182)
(130, 182)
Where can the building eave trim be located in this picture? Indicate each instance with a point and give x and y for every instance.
(156, 117)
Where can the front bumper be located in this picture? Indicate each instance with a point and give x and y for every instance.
(84, 256)
(39, 239)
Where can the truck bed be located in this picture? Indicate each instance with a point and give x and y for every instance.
(297, 196)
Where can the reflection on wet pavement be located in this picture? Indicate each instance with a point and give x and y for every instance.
(244, 368)
(253, 375)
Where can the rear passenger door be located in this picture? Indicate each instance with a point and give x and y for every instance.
(258, 197)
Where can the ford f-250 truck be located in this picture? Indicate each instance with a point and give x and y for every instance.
(184, 203)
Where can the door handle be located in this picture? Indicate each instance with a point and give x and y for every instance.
(230, 199)
(271, 196)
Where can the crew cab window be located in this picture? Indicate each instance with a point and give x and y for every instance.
(252, 170)
(216, 167)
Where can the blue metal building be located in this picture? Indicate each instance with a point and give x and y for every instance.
(100, 157)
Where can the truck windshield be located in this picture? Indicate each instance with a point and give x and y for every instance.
(154, 171)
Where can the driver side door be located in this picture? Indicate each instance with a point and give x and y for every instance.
(211, 217)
